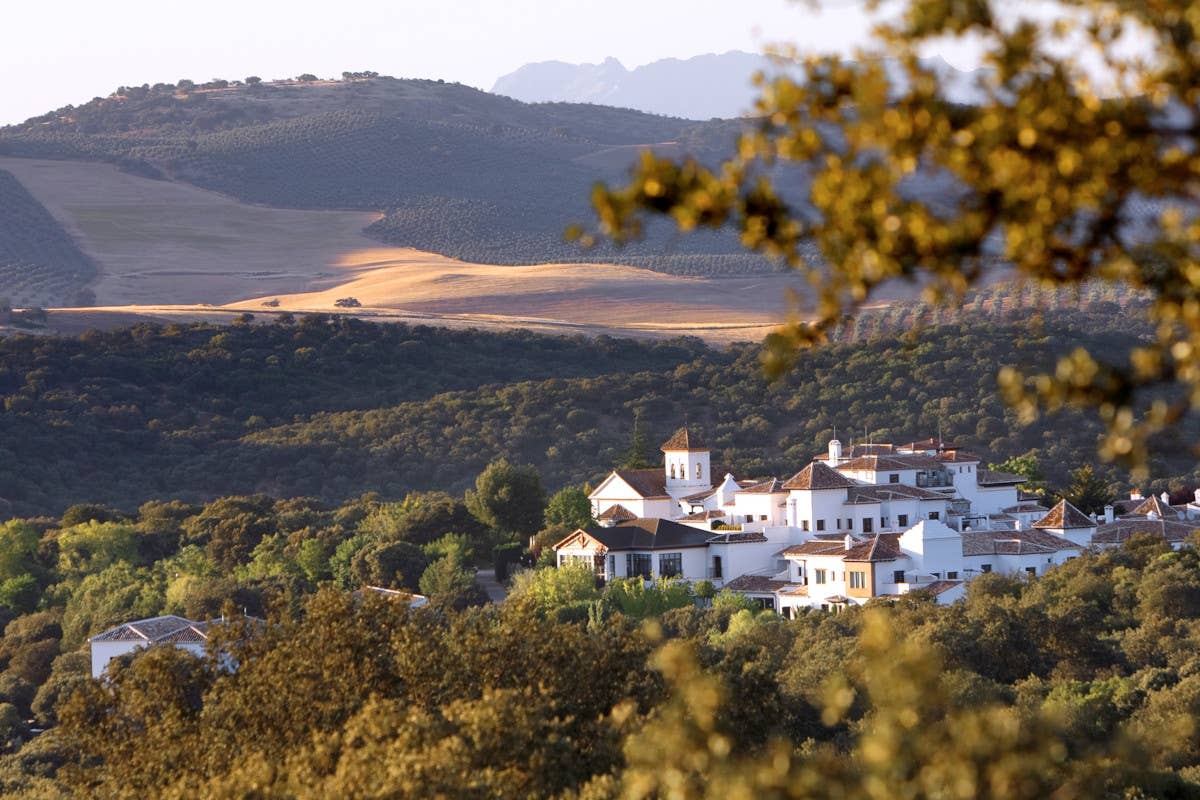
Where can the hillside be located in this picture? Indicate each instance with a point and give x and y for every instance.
(333, 408)
(456, 171)
(40, 264)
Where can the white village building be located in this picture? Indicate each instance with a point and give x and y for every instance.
(168, 630)
(879, 521)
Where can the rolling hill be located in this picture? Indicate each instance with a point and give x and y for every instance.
(453, 170)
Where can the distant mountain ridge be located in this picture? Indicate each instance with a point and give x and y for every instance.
(702, 87)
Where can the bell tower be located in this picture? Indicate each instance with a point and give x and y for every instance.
(686, 463)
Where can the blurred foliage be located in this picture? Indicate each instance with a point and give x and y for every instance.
(1061, 179)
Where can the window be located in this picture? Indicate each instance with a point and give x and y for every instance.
(858, 580)
(985, 567)
(933, 514)
(818, 576)
(612, 565)
(749, 518)
(762, 517)
(672, 472)
(902, 520)
(1031, 570)
(804, 524)
(894, 478)
(952, 576)
(898, 576)
(850, 523)
(670, 565)
(868, 525)
(638, 564)
(820, 524)
(699, 474)
(716, 567)
(883, 522)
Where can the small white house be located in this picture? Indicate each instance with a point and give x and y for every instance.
(168, 630)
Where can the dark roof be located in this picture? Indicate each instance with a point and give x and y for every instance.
(937, 587)
(1153, 505)
(990, 477)
(735, 537)
(698, 496)
(898, 461)
(770, 486)
(882, 547)
(617, 512)
(646, 482)
(1119, 531)
(649, 534)
(890, 491)
(1063, 516)
(1024, 506)
(818, 475)
(1013, 543)
(870, 450)
(700, 516)
(684, 440)
(755, 584)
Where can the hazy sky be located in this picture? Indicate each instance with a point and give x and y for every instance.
(55, 53)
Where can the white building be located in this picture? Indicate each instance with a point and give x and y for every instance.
(877, 521)
(168, 630)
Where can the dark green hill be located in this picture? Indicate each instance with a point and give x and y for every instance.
(333, 408)
(456, 171)
(40, 264)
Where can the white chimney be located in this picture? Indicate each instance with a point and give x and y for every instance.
(1153, 515)
(1166, 498)
(849, 541)
(1108, 515)
(835, 453)
(1136, 494)
(1196, 494)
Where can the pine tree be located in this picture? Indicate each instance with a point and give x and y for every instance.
(637, 456)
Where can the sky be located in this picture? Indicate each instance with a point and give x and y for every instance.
(67, 52)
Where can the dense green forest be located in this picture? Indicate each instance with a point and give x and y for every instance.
(511, 176)
(40, 264)
(332, 407)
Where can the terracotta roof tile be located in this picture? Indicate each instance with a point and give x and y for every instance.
(1121, 530)
(890, 491)
(897, 461)
(736, 537)
(770, 486)
(646, 482)
(1153, 505)
(1064, 516)
(818, 475)
(882, 547)
(684, 440)
(756, 584)
(990, 477)
(617, 512)
(816, 547)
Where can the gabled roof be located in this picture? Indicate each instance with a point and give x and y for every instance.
(816, 547)
(818, 475)
(893, 462)
(1013, 543)
(931, 444)
(647, 534)
(770, 486)
(155, 629)
(937, 587)
(1064, 516)
(647, 483)
(958, 457)
(890, 491)
(881, 547)
(1153, 505)
(990, 477)
(756, 584)
(737, 537)
(617, 512)
(1121, 530)
(684, 440)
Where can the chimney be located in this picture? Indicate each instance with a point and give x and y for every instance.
(1108, 515)
(1196, 495)
(849, 541)
(835, 453)
(1166, 498)
(1136, 494)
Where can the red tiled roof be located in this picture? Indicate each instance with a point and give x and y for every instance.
(890, 491)
(770, 486)
(755, 584)
(931, 444)
(937, 587)
(883, 547)
(684, 440)
(958, 456)
(1120, 531)
(899, 461)
(1153, 505)
(986, 543)
(1064, 516)
(646, 482)
(816, 547)
(818, 475)
(617, 512)
(990, 477)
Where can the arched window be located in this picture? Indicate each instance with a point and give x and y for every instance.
(672, 472)
(699, 473)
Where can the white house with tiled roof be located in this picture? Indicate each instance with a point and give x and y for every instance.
(167, 630)
(878, 520)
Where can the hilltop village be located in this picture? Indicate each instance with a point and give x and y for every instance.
(874, 520)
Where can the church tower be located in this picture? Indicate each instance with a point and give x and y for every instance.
(685, 461)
